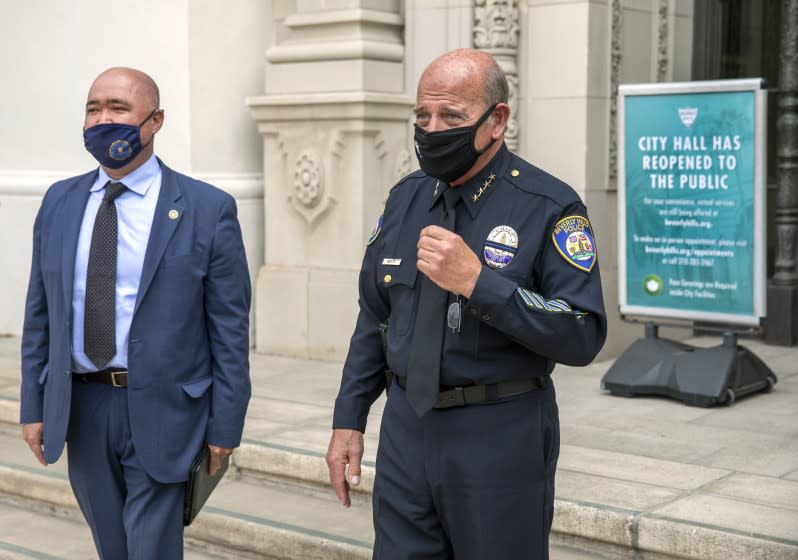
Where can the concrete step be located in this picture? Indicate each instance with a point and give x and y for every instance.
(242, 518)
(247, 517)
(30, 532)
(633, 501)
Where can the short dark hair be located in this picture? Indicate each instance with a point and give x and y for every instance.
(496, 88)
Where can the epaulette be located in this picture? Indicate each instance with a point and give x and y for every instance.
(535, 181)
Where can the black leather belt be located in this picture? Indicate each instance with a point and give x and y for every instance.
(108, 376)
(475, 394)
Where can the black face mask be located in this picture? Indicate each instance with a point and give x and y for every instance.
(449, 154)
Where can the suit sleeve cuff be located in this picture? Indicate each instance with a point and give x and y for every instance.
(350, 414)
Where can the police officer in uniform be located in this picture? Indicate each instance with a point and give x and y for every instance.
(484, 269)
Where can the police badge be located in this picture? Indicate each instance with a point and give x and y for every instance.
(500, 247)
(573, 238)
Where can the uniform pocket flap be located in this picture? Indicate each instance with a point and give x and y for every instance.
(403, 274)
(197, 388)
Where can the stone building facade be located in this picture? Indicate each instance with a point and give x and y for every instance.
(302, 110)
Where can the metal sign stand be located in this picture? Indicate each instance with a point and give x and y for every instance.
(697, 376)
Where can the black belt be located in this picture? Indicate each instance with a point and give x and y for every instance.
(449, 397)
(108, 376)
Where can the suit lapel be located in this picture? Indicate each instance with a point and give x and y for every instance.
(164, 224)
(72, 214)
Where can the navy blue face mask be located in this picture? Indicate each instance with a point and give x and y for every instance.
(114, 145)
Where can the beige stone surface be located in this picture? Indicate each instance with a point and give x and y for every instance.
(579, 487)
(727, 513)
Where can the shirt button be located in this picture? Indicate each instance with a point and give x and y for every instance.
(387, 278)
(475, 312)
(486, 317)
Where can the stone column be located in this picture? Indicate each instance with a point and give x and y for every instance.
(335, 123)
(496, 31)
(782, 327)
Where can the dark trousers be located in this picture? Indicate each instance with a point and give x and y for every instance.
(131, 515)
(474, 482)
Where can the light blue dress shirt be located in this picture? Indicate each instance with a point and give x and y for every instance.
(135, 209)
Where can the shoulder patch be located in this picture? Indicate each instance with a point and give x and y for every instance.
(573, 238)
(376, 233)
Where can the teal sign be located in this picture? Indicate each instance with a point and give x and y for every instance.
(691, 204)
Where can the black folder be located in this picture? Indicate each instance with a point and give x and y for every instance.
(200, 484)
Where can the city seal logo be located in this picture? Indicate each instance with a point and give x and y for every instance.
(376, 232)
(500, 247)
(688, 115)
(120, 150)
(573, 238)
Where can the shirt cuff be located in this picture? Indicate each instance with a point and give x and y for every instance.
(490, 294)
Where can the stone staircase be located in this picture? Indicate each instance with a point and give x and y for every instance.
(637, 478)
(274, 503)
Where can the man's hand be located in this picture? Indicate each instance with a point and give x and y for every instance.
(446, 260)
(217, 454)
(346, 448)
(32, 434)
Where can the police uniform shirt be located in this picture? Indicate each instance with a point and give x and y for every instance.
(537, 301)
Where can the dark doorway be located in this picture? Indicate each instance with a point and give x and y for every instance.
(740, 39)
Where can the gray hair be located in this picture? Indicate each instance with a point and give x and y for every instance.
(496, 88)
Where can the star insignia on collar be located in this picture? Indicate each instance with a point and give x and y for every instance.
(485, 186)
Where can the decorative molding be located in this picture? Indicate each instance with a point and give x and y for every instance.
(269, 110)
(616, 59)
(663, 60)
(242, 186)
(380, 145)
(340, 35)
(338, 50)
(496, 31)
(309, 196)
(404, 164)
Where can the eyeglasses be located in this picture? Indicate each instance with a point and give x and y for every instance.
(454, 316)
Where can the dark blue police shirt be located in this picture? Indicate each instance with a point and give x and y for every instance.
(525, 315)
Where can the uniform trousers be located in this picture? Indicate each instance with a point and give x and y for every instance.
(471, 482)
(131, 515)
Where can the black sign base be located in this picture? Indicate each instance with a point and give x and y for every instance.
(697, 376)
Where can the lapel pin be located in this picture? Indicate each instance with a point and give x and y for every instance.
(173, 214)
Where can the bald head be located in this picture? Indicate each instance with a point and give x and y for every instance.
(138, 83)
(472, 71)
(124, 96)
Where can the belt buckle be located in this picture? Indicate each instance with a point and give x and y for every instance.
(454, 397)
(114, 382)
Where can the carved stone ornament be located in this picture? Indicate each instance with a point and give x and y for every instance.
(404, 164)
(616, 58)
(496, 32)
(496, 24)
(309, 197)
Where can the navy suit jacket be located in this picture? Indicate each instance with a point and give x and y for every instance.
(188, 349)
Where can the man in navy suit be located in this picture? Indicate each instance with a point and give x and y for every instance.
(138, 361)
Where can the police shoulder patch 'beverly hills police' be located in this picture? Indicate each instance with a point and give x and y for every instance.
(573, 238)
